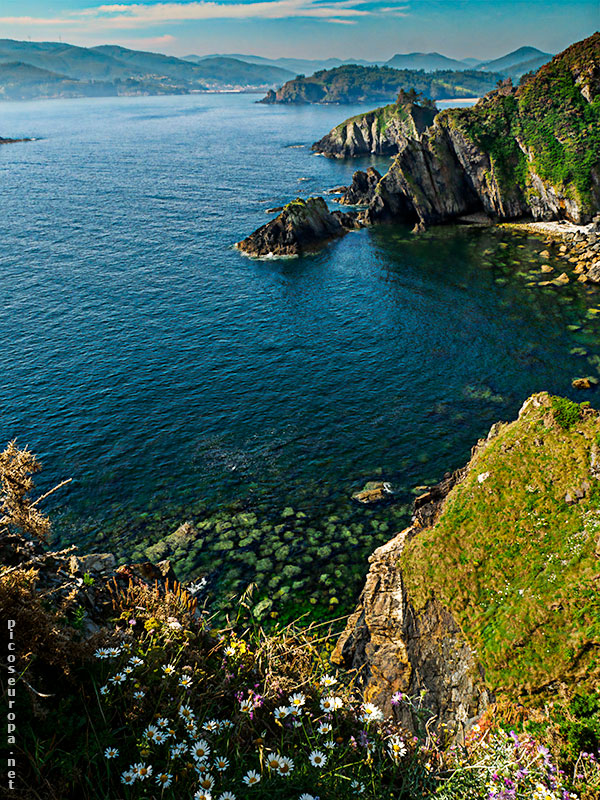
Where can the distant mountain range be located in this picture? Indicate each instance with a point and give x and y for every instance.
(430, 62)
(30, 70)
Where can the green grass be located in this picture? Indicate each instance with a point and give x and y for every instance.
(513, 561)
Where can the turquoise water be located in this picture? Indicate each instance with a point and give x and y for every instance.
(172, 377)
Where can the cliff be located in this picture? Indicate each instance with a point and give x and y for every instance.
(493, 590)
(383, 131)
(531, 151)
(303, 225)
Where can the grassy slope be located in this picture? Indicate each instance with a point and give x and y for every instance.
(550, 116)
(514, 562)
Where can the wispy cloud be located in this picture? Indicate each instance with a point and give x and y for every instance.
(141, 15)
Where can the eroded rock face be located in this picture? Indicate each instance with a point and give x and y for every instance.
(303, 225)
(383, 131)
(394, 648)
(362, 189)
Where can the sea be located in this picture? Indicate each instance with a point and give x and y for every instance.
(175, 380)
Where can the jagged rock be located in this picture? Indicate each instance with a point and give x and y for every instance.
(581, 383)
(382, 131)
(362, 189)
(275, 210)
(303, 225)
(452, 170)
(93, 562)
(374, 492)
(594, 273)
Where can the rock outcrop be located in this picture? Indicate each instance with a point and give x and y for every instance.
(471, 600)
(383, 131)
(302, 226)
(533, 151)
(362, 189)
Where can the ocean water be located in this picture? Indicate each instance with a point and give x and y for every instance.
(175, 379)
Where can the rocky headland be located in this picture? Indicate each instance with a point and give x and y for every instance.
(383, 131)
(302, 226)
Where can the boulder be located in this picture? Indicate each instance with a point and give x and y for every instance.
(302, 226)
(373, 492)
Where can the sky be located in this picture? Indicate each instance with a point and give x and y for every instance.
(369, 29)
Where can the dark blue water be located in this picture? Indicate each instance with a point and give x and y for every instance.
(170, 376)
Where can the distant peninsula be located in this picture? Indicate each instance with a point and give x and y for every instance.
(353, 83)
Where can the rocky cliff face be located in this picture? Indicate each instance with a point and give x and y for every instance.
(474, 598)
(531, 151)
(383, 131)
(303, 225)
(362, 189)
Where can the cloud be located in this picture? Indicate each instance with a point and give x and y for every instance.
(140, 15)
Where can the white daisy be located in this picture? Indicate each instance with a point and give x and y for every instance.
(111, 752)
(251, 778)
(297, 700)
(226, 796)
(221, 763)
(331, 703)
(286, 765)
(200, 749)
(185, 681)
(135, 661)
(207, 782)
(281, 712)
(317, 758)
(164, 779)
(371, 713)
(273, 761)
(328, 680)
(168, 669)
(324, 727)
(143, 771)
(128, 778)
(396, 748)
(104, 689)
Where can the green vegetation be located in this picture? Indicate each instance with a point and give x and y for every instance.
(514, 556)
(352, 83)
(554, 116)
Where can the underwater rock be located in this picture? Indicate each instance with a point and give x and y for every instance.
(374, 492)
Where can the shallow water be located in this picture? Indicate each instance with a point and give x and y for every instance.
(170, 376)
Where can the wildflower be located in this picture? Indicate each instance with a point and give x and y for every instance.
(370, 713)
(226, 796)
(202, 767)
(273, 762)
(174, 624)
(281, 712)
(168, 669)
(295, 712)
(324, 727)
(162, 722)
(111, 752)
(118, 678)
(113, 652)
(306, 796)
(297, 700)
(200, 750)
(104, 689)
(194, 588)
(358, 786)
(221, 763)
(397, 748)
(212, 725)
(185, 681)
(286, 765)
(251, 778)
(128, 778)
(139, 694)
(164, 779)
(328, 680)
(185, 712)
(396, 698)
(229, 651)
(178, 749)
(329, 745)
(331, 703)
(200, 795)
(142, 771)
(136, 661)
(246, 705)
(102, 652)
(317, 758)
(207, 782)
(150, 732)
(160, 737)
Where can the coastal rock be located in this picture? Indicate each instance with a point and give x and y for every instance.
(453, 168)
(362, 189)
(303, 225)
(373, 492)
(382, 131)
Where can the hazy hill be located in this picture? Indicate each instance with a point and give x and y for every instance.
(295, 66)
(110, 69)
(512, 60)
(427, 61)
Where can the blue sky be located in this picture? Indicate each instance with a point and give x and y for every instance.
(307, 28)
